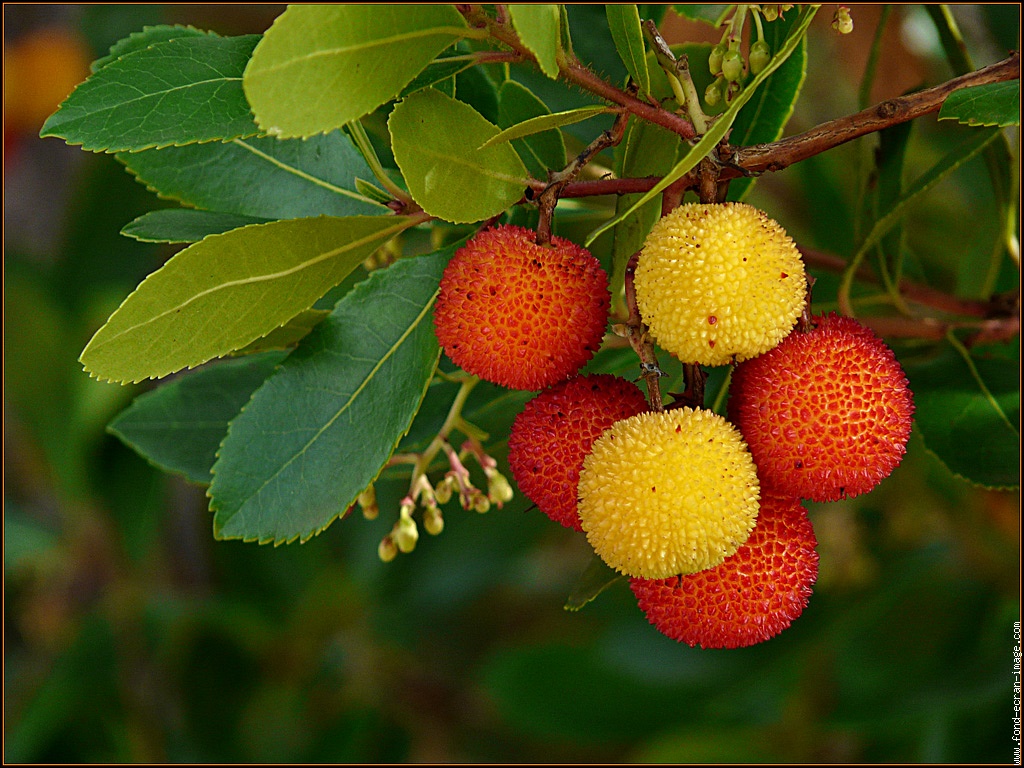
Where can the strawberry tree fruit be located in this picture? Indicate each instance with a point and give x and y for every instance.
(519, 314)
(554, 432)
(719, 282)
(827, 414)
(670, 492)
(752, 596)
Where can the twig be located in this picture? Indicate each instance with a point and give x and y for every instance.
(784, 153)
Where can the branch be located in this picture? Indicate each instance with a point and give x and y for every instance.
(781, 154)
(575, 72)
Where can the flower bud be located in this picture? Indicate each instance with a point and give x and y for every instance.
(386, 550)
(842, 21)
(732, 66)
(760, 55)
(433, 521)
(715, 59)
(713, 93)
(406, 534)
(368, 503)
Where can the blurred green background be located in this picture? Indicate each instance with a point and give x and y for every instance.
(131, 635)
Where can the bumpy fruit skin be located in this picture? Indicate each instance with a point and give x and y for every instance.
(717, 283)
(749, 598)
(554, 433)
(519, 314)
(827, 414)
(669, 492)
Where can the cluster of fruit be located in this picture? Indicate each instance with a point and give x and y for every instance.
(704, 514)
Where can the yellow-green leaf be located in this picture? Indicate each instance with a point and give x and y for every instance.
(322, 66)
(435, 140)
(228, 290)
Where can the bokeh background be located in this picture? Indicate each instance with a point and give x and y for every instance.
(131, 635)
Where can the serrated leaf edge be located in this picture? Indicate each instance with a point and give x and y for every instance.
(303, 538)
(403, 225)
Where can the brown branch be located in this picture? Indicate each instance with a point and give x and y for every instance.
(579, 75)
(575, 72)
(548, 198)
(781, 154)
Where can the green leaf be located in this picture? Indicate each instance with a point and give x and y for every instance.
(177, 92)
(263, 177)
(721, 126)
(541, 151)
(646, 150)
(184, 225)
(624, 24)
(433, 137)
(322, 66)
(320, 430)
(592, 582)
(179, 426)
(764, 117)
(994, 104)
(220, 294)
(138, 41)
(543, 123)
(921, 186)
(968, 411)
(539, 29)
(442, 68)
(288, 335)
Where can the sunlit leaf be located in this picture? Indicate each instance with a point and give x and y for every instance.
(543, 123)
(321, 429)
(286, 336)
(179, 425)
(177, 92)
(538, 28)
(322, 66)
(263, 177)
(433, 138)
(224, 292)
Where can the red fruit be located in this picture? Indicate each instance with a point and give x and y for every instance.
(751, 596)
(827, 413)
(518, 314)
(554, 433)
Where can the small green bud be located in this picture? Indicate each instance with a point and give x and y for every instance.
(406, 534)
(433, 521)
(760, 55)
(498, 489)
(715, 59)
(713, 93)
(443, 490)
(386, 550)
(368, 503)
(770, 12)
(481, 503)
(842, 22)
(732, 66)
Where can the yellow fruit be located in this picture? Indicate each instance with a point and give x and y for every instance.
(718, 283)
(669, 493)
